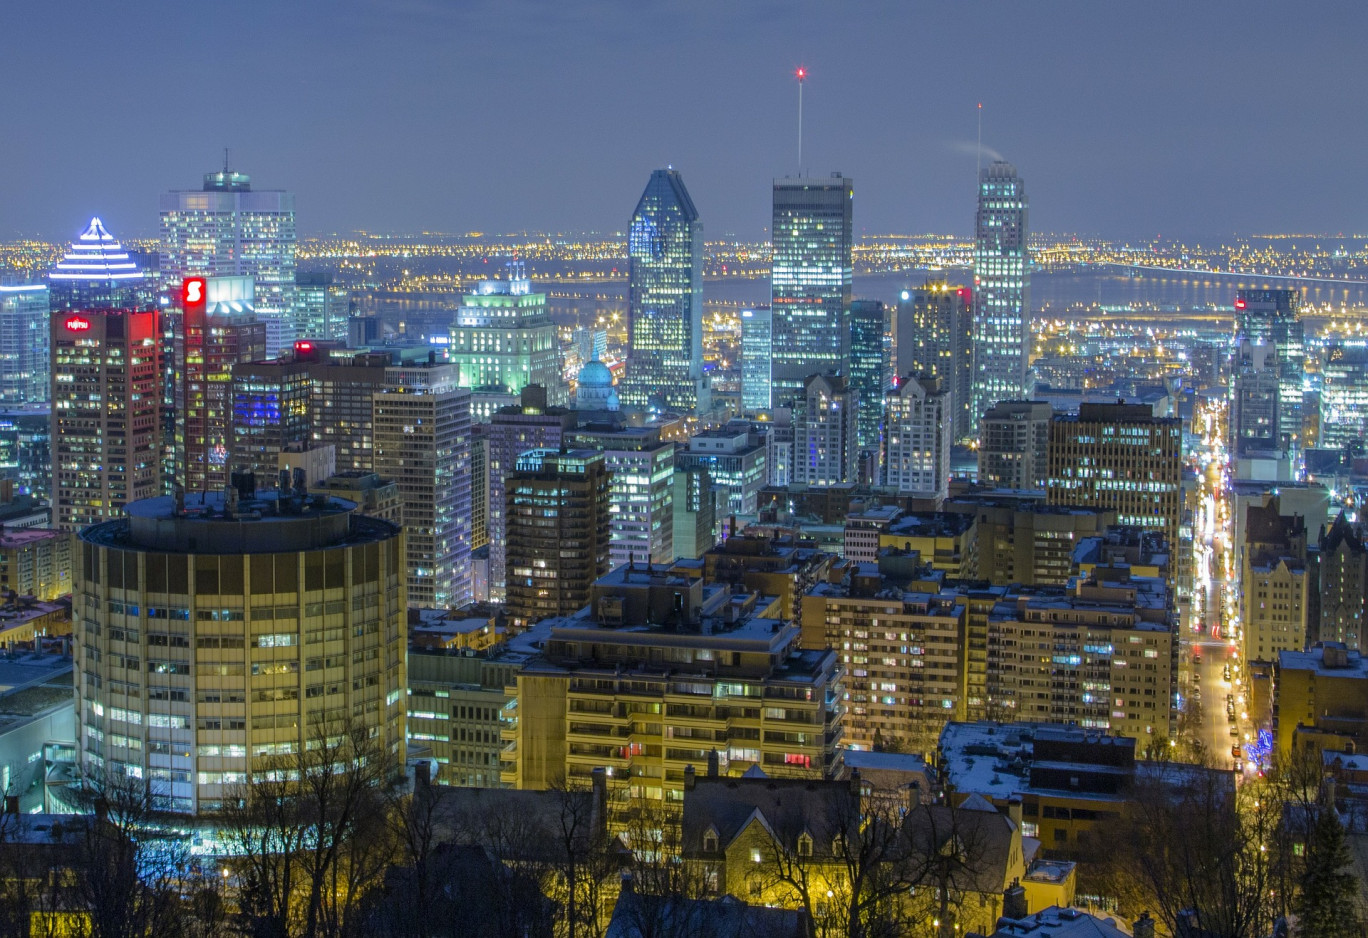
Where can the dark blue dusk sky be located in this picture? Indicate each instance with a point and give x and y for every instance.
(1126, 119)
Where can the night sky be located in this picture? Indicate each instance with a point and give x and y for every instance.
(1126, 119)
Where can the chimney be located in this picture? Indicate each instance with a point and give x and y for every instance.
(422, 775)
(1143, 927)
(1014, 811)
(12, 804)
(1014, 901)
(599, 782)
(855, 782)
(712, 763)
(689, 777)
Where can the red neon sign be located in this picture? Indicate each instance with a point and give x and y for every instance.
(1239, 304)
(77, 324)
(303, 346)
(193, 292)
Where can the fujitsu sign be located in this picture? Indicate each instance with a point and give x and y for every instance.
(77, 324)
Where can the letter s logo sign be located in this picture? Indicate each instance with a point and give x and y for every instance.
(192, 292)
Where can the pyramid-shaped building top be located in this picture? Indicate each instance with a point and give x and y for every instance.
(96, 255)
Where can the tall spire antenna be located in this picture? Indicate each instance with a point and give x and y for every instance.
(978, 154)
(225, 161)
(801, 75)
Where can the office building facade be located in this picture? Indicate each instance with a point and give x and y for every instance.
(868, 368)
(665, 301)
(106, 413)
(322, 306)
(25, 359)
(422, 442)
(1273, 317)
(1002, 310)
(757, 350)
(825, 434)
(810, 280)
(504, 340)
(1014, 445)
(227, 229)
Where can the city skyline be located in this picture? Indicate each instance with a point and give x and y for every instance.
(1065, 97)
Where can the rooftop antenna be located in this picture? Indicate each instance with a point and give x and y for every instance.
(225, 161)
(801, 75)
(978, 154)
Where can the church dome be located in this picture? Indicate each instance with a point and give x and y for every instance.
(595, 374)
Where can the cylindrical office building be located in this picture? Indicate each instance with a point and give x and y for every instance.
(221, 636)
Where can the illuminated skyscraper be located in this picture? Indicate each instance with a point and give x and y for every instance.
(825, 441)
(933, 335)
(504, 340)
(218, 330)
(226, 229)
(1002, 311)
(106, 426)
(868, 368)
(422, 442)
(321, 307)
(665, 300)
(1344, 397)
(810, 280)
(757, 347)
(1274, 317)
(917, 437)
(99, 273)
(24, 357)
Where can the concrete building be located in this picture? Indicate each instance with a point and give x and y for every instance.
(1102, 654)
(642, 468)
(35, 562)
(918, 433)
(106, 413)
(694, 516)
(1321, 699)
(1274, 583)
(1031, 545)
(456, 704)
(1123, 458)
(1343, 584)
(217, 636)
(735, 457)
(511, 432)
(825, 442)
(690, 672)
(785, 567)
(1014, 445)
(422, 442)
(503, 340)
(374, 497)
(558, 510)
(1255, 416)
(900, 642)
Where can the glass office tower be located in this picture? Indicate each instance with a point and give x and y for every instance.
(1273, 317)
(810, 280)
(665, 301)
(24, 373)
(757, 350)
(868, 368)
(1001, 289)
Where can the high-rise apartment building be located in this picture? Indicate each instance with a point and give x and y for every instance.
(216, 634)
(757, 350)
(933, 335)
(511, 432)
(735, 458)
(665, 301)
(219, 329)
(810, 280)
(557, 506)
(1275, 582)
(918, 434)
(642, 491)
(825, 442)
(228, 229)
(1343, 598)
(106, 413)
(1121, 457)
(755, 698)
(1014, 445)
(271, 408)
(1274, 318)
(97, 272)
(1002, 309)
(504, 340)
(422, 442)
(25, 358)
(321, 306)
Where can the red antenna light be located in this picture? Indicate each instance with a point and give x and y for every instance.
(801, 73)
